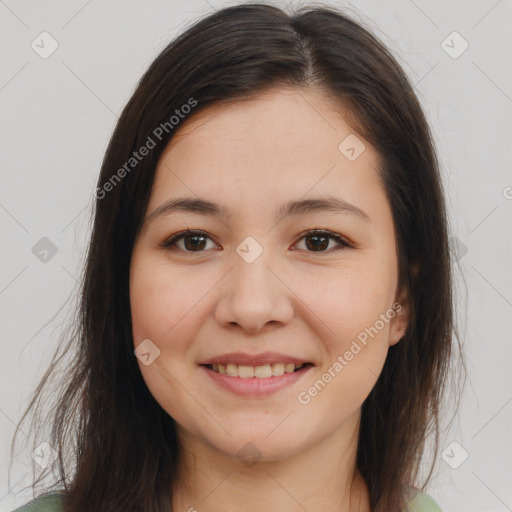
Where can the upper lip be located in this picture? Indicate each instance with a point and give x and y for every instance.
(240, 358)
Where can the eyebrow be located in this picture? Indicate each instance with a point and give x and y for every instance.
(291, 208)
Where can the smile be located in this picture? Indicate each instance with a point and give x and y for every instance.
(261, 372)
(256, 381)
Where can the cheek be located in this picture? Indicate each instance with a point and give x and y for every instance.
(353, 311)
(162, 308)
(163, 300)
(347, 301)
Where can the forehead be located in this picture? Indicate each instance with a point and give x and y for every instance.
(278, 122)
(282, 142)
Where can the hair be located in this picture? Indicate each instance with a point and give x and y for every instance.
(117, 448)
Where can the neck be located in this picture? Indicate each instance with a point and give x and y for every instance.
(321, 477)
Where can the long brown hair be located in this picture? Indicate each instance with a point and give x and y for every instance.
(117, 448)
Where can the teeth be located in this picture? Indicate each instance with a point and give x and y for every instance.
(261, 372)
(277, 369)
(232, 370)
(245, 372)
(288, 368)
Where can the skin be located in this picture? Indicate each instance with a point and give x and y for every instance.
(252, 157)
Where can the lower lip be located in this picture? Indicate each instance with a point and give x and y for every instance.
(254, 386)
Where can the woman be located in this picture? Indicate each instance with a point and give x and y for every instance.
(266, 315)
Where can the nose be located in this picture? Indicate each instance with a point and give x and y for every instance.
(254, 296)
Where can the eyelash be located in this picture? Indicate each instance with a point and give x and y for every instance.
(343, 243)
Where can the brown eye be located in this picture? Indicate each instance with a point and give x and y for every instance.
(193, 241)
(319, 240)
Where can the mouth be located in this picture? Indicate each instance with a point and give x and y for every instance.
(255, 381)
(265, 371)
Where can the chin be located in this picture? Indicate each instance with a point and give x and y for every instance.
(267, 443)
(256, 450)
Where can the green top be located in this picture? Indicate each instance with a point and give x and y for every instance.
(423, 503)
(51, 502)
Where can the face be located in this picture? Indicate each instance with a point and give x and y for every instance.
(252, 289)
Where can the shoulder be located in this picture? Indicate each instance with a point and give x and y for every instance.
(48, 502)
(422, 502)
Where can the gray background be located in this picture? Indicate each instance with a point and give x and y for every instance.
(57, 114)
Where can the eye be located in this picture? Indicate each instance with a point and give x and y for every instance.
(319, 241)
(196, 241)
(193, 239)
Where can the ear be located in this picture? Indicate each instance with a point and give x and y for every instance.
(402, 308)
(400, 321)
